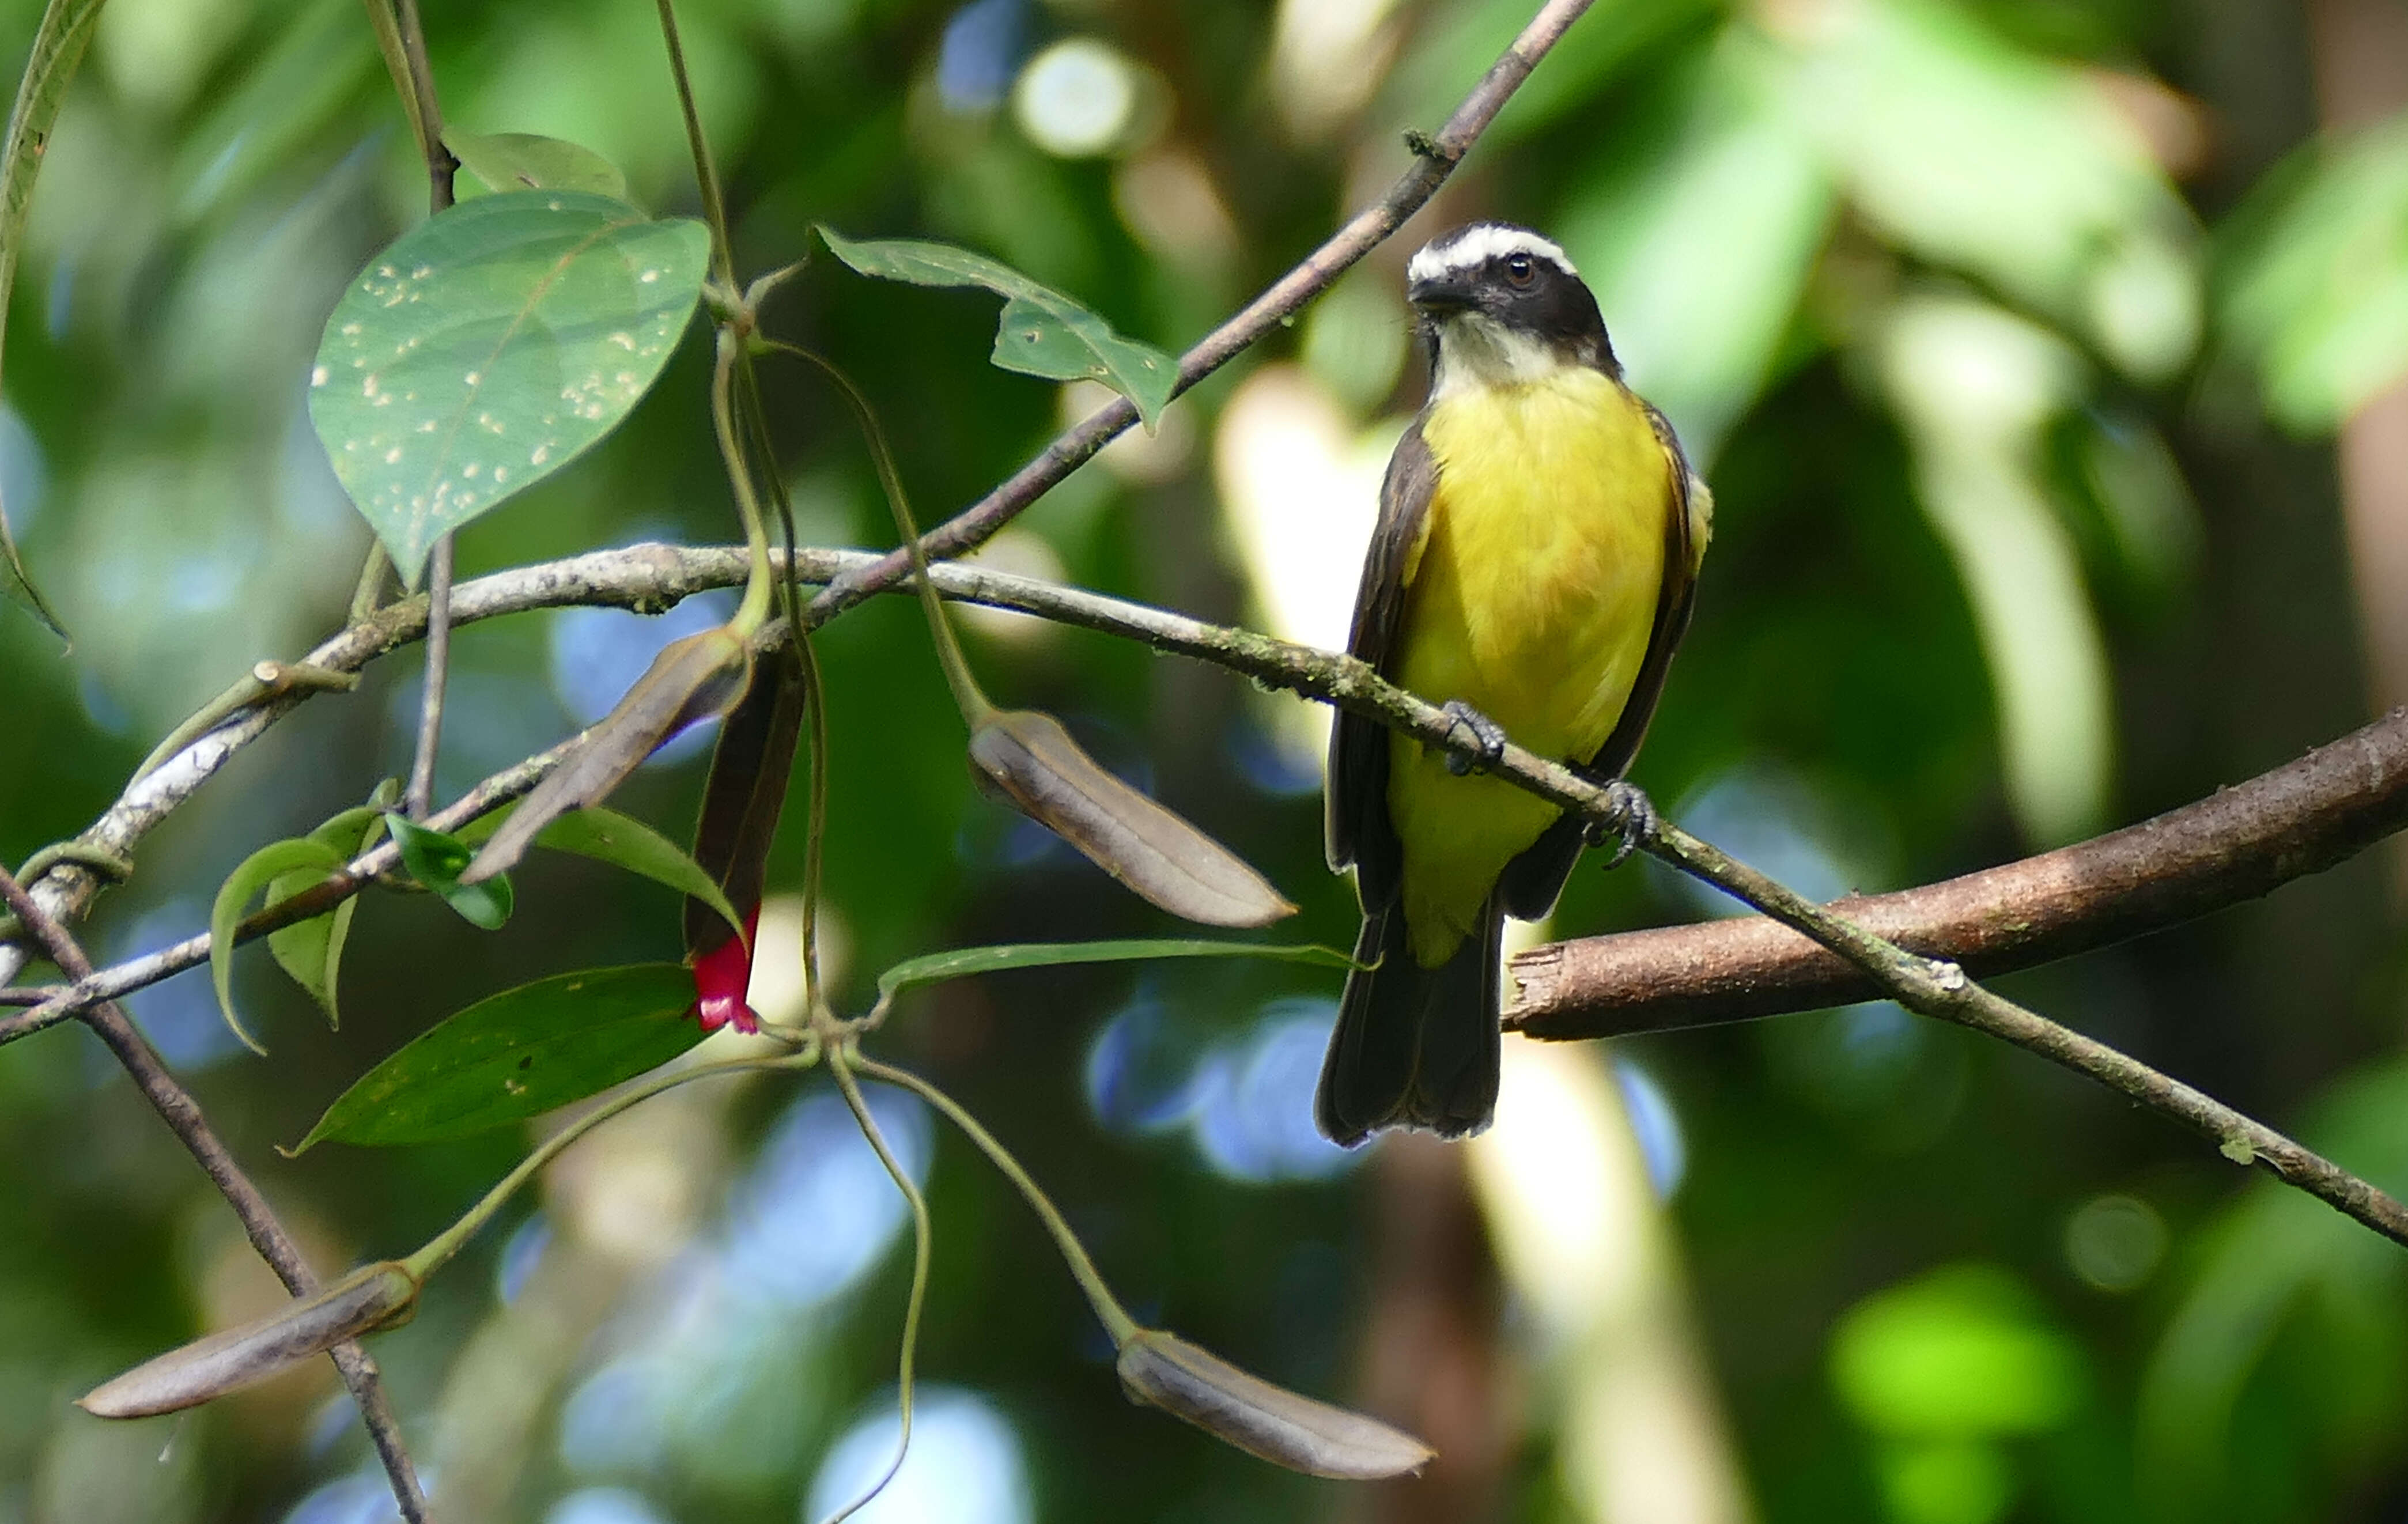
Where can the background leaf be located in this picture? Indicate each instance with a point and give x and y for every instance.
(435, 860)
(518, 1054)
(58, 48)
(1041, 333)
(962, 962)
(521, 160)
(489, 346)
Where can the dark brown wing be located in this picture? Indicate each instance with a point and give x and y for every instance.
(1533, 880)
(1356, 795)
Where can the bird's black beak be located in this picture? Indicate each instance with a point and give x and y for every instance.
(1442, 298)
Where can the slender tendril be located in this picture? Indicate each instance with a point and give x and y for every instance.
(705, 174)
(439, 1249)
(761, 586)
(1116, 1320)
(756, 415)
(923, 1235)
(975, 708)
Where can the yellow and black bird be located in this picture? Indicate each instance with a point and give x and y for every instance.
(1535, 556)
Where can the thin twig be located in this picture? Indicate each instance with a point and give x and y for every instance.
(418, 800)
(706, 174)
(1434, 160)
(182, 1114)
(424, 114)
(419, 797)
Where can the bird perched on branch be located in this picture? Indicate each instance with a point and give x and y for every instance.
(1536, 553)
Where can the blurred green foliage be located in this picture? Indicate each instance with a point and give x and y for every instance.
(1997, 328)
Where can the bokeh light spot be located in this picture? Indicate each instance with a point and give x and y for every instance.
(964, 1466)
(2115, 1243)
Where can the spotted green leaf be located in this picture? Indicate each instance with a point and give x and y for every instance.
(962, 962)
(490, 346)
(521, 160)
(518, 1054)
(1041, 332)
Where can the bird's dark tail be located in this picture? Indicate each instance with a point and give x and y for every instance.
(1414, 1048)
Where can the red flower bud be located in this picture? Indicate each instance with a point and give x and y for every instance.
(721, 974)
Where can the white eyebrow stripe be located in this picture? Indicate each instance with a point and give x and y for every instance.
(1477, 245)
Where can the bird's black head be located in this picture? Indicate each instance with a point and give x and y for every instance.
(1501, 303)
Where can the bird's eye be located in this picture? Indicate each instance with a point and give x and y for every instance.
(1519, 269)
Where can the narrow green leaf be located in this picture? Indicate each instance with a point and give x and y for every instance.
(518, 1054)
(622, 842)
(312, 951)
(1041, 333)
(255, 873)
(489, 346)
(521, 160)
(437, 861)
(58, 48)
(962, 962)
(698, 677)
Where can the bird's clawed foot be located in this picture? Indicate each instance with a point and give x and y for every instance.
(1484, 732)
(1634, 821)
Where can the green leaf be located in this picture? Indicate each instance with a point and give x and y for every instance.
(961, 962)
(437, 860)
(256, 873)
(520, 160)
(518, 1054)
(312, 951)
(489, 346)
(704, 674)
(58, 48)
(623, 841)
(1042, 332)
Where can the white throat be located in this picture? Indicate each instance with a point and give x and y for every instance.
(1475, 351)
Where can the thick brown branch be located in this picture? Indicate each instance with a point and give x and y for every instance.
(2236, 844)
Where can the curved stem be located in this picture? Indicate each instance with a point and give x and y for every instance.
(923, 1235)
(815, 692)
(438, 1250)
(706, 174)
(1116, 1320)
(759, 586)
(972, 700)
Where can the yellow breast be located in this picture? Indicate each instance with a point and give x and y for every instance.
(1531, 598)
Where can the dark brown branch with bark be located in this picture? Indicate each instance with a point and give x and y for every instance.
(2236, 844)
